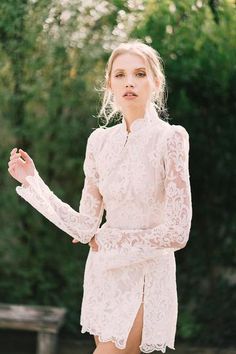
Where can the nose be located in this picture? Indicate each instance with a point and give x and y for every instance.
(129, 82)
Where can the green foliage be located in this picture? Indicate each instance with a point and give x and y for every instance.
(48, 100)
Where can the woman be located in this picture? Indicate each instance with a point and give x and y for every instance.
(137, 171)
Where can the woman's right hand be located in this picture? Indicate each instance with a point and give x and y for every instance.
(20, 166)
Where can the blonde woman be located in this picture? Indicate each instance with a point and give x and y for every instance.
(137, 171)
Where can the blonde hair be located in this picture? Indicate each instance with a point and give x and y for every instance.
(154, 65)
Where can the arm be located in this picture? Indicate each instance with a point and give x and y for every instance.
(125, 247)
(80, 225)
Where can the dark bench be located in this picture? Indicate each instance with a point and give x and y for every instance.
(43, 319)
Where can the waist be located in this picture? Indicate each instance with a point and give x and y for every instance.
(107, 232)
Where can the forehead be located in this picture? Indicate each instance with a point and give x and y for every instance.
(128, 61)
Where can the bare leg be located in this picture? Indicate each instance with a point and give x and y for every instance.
(133, 341)
(96, 340)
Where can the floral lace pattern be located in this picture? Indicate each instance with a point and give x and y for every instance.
(81, 225)
(141, 180)
(124, 247)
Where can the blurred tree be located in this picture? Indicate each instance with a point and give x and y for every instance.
(214, 7)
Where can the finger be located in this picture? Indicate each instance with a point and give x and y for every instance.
(25, 155)
(15, 157)
(16, 161)
(75, 240)
(11, 163)
(11, 170)
(13, 150)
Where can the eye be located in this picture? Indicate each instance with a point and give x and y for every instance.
(141, 74)
(118, 75)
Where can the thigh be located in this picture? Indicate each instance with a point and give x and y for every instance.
(133, 341)
(96, 340)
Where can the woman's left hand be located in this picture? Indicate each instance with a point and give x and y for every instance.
(92, 244)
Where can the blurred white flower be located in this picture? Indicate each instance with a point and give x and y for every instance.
(54, 31)
(86, 13)
(65, 16)
(172, 7)
(65, 3)
(148, 39)
(199, 3)
(121, 14)
(173, 56)
(169, 29)
(135, 4)
(103, 7)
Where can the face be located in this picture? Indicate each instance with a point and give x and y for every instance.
(130, 74)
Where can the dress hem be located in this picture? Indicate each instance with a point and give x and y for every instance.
(120, 346)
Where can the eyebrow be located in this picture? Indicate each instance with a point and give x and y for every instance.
(134, 69)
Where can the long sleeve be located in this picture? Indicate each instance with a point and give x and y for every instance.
(125, 247)
(80, 225)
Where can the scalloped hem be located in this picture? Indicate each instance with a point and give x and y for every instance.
(146, 348)
(120, 344)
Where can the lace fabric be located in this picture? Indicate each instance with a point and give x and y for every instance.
(80, 225)
(124, 247)
(142, 181)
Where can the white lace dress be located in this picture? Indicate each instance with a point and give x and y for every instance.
(141, 180)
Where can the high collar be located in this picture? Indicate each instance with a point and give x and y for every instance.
(135, 125)
(150, 118)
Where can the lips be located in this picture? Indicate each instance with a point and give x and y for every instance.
(129, 93)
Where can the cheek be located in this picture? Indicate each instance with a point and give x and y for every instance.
(116, 87)
(117, 90)
(146, 90)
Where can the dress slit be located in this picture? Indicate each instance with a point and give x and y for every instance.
(143, 289)
(141, 304)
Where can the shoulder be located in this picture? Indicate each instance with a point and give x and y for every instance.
(174, 134)
(96, 134)
(177, 131)
(98, 137)
(171, 138)
(166, 131)
(100, 132)
(177, 139)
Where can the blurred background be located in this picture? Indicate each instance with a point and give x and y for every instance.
(52, 60)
